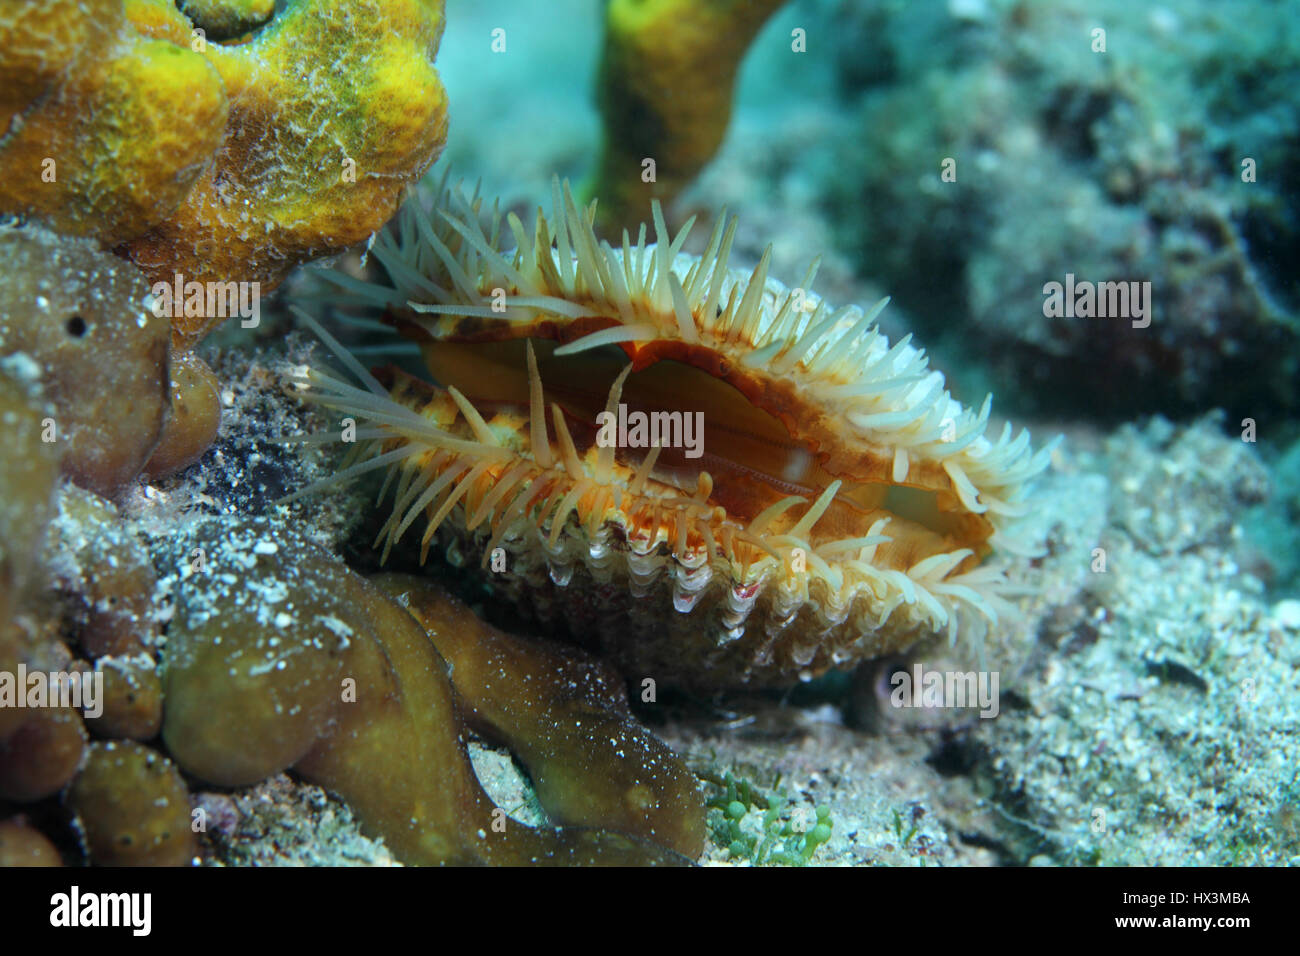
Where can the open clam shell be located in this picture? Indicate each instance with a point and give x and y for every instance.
(714, 478)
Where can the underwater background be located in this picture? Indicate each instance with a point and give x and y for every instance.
(959, 156)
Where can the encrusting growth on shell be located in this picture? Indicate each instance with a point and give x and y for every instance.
(843, 501)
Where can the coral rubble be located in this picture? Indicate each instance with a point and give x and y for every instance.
(1021, 149)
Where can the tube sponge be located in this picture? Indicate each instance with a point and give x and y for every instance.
(667, 73)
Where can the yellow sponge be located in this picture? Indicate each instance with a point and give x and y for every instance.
(666, 80)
